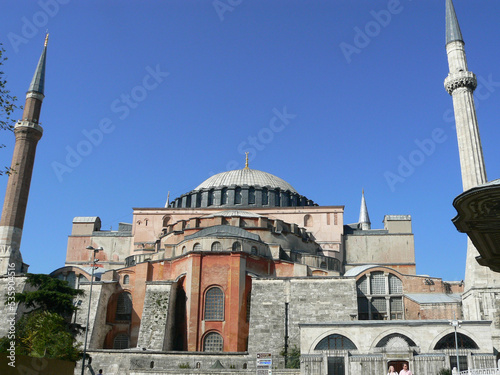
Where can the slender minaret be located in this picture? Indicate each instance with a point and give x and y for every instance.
(28, 132)
(481, 283)
(364, 219)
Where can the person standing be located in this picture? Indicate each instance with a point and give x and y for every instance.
(405, 370)
(391, 371)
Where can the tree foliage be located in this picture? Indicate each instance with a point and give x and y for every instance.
(44, 334)
(49, 294)
(292, 357)
(7, 103)
(46, 331)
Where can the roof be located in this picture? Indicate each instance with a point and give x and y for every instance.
(246, 176)
(86, 219)
(234, 213)
(453, 32)
(360, 269)
(224, 231)
(38, 81)
(434, 297)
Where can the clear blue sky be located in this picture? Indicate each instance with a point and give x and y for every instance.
(362, 105)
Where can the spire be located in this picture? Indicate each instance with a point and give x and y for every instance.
(453, 32)
(38, 81)
(364, 219)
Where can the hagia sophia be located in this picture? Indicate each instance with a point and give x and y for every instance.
(243, 265)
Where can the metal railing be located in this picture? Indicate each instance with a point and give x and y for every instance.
(482, 371)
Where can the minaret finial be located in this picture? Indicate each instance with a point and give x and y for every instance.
(46, 39)
(246, 160)
(453, 32)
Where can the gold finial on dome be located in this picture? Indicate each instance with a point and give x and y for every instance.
(246, 160)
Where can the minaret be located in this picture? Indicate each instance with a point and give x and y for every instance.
(461, 84)
(364, 219)
(27, 132)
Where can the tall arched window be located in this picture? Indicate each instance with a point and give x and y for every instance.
(121, 341)
(166, 219)
(265, 197)
(237, 246)
(237, 195)
(223, 197)
(216, 246)
(124, 307)
(251, 195)
(198, 199)
(335, 342)
(213, 342)
(277, 198)
(214, 304)
(126, 279)
(376, 301)
(184, 249)
(197, 247)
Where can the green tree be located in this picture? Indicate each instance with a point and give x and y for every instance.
(44, 334)
(7, 104)
(49, 294)
(292, 357)
(46, 331)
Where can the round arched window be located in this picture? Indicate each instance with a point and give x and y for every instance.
(197, 247)
(237, 246)
(216, 246)
(213, 342)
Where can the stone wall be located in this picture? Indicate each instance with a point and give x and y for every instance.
(298, 300)
(6, 312)
(153, 330)
(117, 362)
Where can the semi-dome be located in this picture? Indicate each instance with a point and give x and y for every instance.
(246, 176)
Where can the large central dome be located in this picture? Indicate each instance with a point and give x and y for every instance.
(242, 188)
(246, 176)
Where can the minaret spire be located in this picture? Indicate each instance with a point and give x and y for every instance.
(453, 32)
(460, 84)
(28, 132)
(364, 219)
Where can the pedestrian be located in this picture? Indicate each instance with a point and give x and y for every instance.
(405, 370)
(391, 371)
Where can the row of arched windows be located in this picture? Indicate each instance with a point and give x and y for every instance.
(340, 342)
(217, 246)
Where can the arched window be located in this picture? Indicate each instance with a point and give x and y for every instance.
(124, 307)
(216, 246)
(335, 342)
(237, 246)
(184, 249)
(120, 341)
(308, 221)
(265, 197)
(448, 342)
(223, 197)
(237, 195)
(198, 199)
(188, 201)
(376, 301)
(197, 247)
(253, 250)
(210, 197)
(126, 279)
(213, 342)
(251, 195)
(214, 304)
(166, 219)
(395, 285)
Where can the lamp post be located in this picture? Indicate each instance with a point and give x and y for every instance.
(94, 261)
(456, 324)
